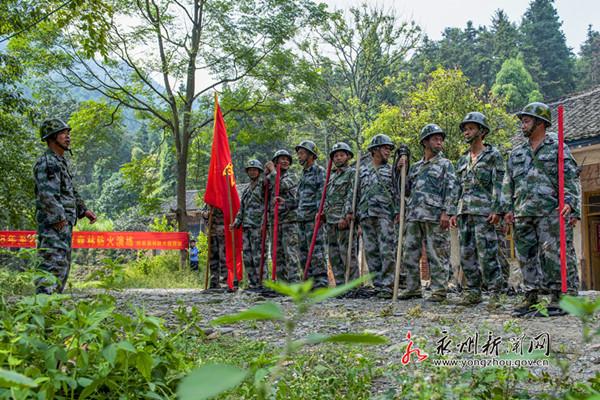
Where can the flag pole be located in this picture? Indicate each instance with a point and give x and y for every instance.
(275, 223)
(561, 199)
(400, 231)
(353, 220)
(313, 240)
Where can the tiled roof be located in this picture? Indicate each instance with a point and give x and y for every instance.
(582, 114)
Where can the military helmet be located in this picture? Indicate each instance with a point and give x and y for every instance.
(280, 153)
(51, 126)
(537, 110)
(476, 118)
(254, 164)
(430, 130)
(341, 146)
(380, 140)
(309, 146)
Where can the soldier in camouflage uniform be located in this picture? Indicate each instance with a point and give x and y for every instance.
(376, 211)
(58, 205)
(310, 189)
(431, 184)
(530, 199)
(337, 213)
(217, 263)
(503, 254)
(288, 259)
(480, 172)
(250, 218)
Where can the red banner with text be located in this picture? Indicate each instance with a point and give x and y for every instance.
(106, 240)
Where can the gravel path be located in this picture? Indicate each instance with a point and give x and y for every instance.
(426, 321)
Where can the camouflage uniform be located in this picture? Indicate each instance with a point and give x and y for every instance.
(431, 186)
(250, 218)
(530, 191)
(338, 204)
(376, 210)
(478, 195)
(217, 263)
(56, 201)
(288, 260)
(310, 189)
(503, 253)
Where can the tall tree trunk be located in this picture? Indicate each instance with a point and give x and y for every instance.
(181, 212)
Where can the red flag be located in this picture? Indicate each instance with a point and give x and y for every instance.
(221, 193)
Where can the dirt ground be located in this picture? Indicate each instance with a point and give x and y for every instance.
(427, 322)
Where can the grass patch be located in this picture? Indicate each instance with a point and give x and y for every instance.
(321, 372)
(149, 272)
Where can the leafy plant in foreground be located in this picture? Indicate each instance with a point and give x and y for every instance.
(210, 380)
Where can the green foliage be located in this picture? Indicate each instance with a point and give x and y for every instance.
(18, 271)
(545, 50)
(266, 379)
(147, 271)
(162, 224)
(326, 371)
(453, 97)
(369, 46)
(19, 148)
(141, 176)
(58, 347)
(99, 148)
(221, 377)
(40, 22)
(586, 310)
(515, 85)
(588, 64)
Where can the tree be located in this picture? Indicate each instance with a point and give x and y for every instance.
(588, 63)
(355, 54)
(193, 47)
(20, 146)
(545, 50)
(444, 98)
(99, 148)
(470, 50)
(515, 85)
(505, 38)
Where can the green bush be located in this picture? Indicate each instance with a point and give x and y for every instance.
(57, 347)
(160, 271)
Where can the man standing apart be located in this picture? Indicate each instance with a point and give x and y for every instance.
(530, 199)
(480, 172)
(376, 211)
(288, 261)
(337, 210)
(310, 189)
(431, 184)
(250, 218)
(58, 205)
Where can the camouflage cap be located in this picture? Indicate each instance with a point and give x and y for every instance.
(254, 164)
(476, 118)
(380, 140)
(341, 146)
(537, 110)
(430, 130)
(280, 153)
(309, 146)
(51, 126)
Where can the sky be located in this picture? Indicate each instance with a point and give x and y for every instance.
(435, 15)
